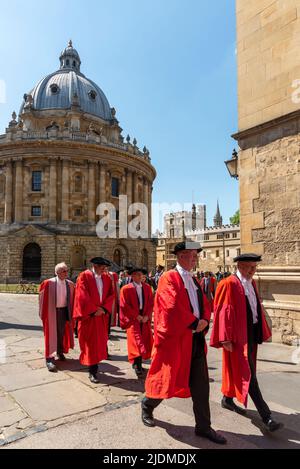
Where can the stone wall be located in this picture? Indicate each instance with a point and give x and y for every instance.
(268, 59)
(268, 35)
(58, 248)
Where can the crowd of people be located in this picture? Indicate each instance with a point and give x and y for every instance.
(166, 316)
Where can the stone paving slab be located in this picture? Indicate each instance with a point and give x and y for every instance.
(9, 369)
(58, 399)
(6, 404)
(10, 417)
(30, 378)
(109, 430)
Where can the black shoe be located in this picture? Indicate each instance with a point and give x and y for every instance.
(61, 357)
(51, 366)
(147, 418)
(212, 435)
(138, 370)
(272, 425)
(230, 405)
(93, 378)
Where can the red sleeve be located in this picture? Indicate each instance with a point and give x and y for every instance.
(206, 309)
(223, 325)
(172, 318)
(43, 299)
(128, 313)
(83, 302)
(107, 302)
(150, 302)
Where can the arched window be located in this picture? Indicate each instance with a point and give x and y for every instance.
(78, 183)
(117, 256)
(120, 256)
(32, 261)
(78, 258)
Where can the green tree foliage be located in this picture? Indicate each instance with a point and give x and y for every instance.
(235, 219)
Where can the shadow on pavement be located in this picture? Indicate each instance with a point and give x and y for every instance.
(9, 325)
(277, 440)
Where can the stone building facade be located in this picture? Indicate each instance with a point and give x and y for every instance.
(220, 243)
(268, 37)
(61, 158)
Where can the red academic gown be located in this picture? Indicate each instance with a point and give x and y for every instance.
(139, 335)
(211, 291)
(115, 307)
(47, 312)
(92, 330)
(230, 324)
(169, 372)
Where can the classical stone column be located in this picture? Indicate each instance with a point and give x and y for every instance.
(19, 191)
(136, 187)
(52, 190)
(146, 197)
(102, 186)
(91, 193)
(8, 193)
(129, 187)
(65, 197)
(150, 188)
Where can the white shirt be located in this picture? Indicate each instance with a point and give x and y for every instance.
(99, 283)
(250, 293)
(61, 293)
(139, 287)
(187, 278)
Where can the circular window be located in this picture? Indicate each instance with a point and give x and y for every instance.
(54, 88)
(92, 94)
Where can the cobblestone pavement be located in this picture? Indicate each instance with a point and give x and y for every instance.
(39, 409)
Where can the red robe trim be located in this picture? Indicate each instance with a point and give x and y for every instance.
(139, 335)
(230, 324)
(169, 372)
(115, 307)
(92, 330)
(47, 313)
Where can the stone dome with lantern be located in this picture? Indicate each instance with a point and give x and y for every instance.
(60, 157)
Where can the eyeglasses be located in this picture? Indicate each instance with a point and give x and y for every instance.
(61, 271)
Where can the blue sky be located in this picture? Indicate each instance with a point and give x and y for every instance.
(167, 66)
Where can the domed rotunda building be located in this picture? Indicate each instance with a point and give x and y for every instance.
(61, 157)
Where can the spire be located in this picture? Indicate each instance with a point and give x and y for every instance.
(69, 58)
(194, 217)
(218, 220)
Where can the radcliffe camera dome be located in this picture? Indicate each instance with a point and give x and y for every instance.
(68, 87)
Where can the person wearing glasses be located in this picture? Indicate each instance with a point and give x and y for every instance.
(56, 298)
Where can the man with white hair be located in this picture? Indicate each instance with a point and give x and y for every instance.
(56, 297)
(239, 327)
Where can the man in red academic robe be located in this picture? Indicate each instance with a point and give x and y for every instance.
(93, 302)
(179, 366)
(239, 326)
(136, 306)
(56, 297)
(113, 319)
(208, 284)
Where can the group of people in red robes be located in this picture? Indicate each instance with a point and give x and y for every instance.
(181, 309)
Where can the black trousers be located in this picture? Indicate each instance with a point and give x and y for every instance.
(198, 383)
(254, 390)
(61, 318)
